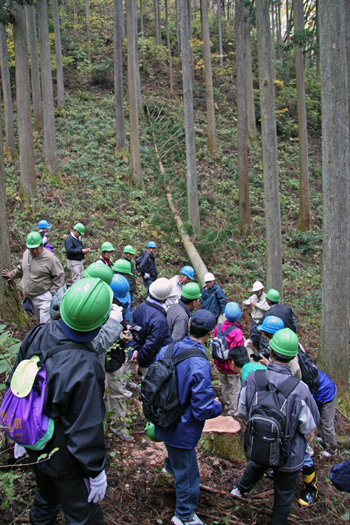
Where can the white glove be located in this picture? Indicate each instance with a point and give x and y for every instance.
(19, 451)
(116, 313)
(98, 487)
(146, 275)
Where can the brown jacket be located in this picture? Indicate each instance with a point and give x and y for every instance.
(39, 274)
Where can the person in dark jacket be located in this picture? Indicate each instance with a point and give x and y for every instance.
(129, 254)
(75, 251)
(178, 314)
(195, 393)
(213, 298)
(73, 479)
(282, 311)
(151, 316)
(147, 267)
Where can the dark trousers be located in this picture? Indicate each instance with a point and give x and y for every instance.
(69, 494)
(284, 485)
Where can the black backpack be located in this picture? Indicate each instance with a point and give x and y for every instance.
(267, 440)
(309, 371)
(159, 393)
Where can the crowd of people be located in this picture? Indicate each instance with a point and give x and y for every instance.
(100, 336)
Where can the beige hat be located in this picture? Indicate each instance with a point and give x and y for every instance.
(160, 289)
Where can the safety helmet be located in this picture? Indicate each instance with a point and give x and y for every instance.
(285, 342)
(209, 277)
(191, 291)
(149, 430)
(232, 312)
(34, 240)
(271, 324)
(122, 266)
(79, 227)
(188, 271)
(273, 295)
(120, 288)
(42, 225)
(86, 304)
(257, 286)
(160, 289)
(151, 244)
(99, 271)
(129, 249)
(107, 247)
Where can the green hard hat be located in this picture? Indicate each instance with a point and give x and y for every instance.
(285, 342)
(80, 228)
(273, 295)
(122, 266)
(191, 291)
(86, 304)
(149, 430)
(107, 247)
(129, 249)
(34, 240)
(99, 271)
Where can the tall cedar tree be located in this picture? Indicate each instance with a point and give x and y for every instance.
(10, 147)
(208, 78)
(34, 69)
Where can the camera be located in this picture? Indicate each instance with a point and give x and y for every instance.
(135, 330)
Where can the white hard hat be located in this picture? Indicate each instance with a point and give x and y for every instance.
(209, 277)
(160, 289)
(257, 286)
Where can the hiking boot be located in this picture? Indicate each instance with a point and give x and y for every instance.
(125, 437)
(311, 490)
(329, 453)
(193, 521)
(236, 493)
(168, 472)
(127, 393)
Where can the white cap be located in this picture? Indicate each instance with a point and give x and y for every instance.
(257, 286)
(209, 277)
(160, 289)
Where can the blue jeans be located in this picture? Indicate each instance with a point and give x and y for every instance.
(183, 463)
(131, 307)
(147, 282)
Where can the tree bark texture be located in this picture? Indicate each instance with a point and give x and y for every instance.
(58, 50)
(242, 146)
(220, 35)
(347, 34)
(135, 162)
(192, 190)
(209, 91)
(177, 25)
(334, 347)
(169, 50)
(252, 131)
(50, 148)
(273, 49)
(10, 145)
(304, 201)
(118, 77)
(25, 131)
(34, 69)
(156, 21)
(137, 60)
(269, 143)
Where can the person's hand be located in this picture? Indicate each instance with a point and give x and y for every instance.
(19, 451)
(253, 303)
(6, 274)
(264, 361)
(125, 336)
(134, 357)
(147, 275)
(116, 313)
(98, 487)
(85, 250)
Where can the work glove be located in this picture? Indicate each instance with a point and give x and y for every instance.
(116, 313)
(19, 451)
(147, 276)
(98, 487)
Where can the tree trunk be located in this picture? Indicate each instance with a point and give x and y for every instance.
(192, 191)
(141, 20)
(347, 34)
(208, 78)
(242, 146)
(25, 131)
(137, 61)
(189, 23)
(334, 344)
(279, 30)
(252, 132)
(34, 68)
(220, 35)
(273, 49)
(88, 30)
(135, 162)
(118, 79)
(59, 66)
(318, 40)
(269, 143)
(169, 50)
(50, 148)
(10, 146)
(304, 204)
(156, 21)
(177, 26)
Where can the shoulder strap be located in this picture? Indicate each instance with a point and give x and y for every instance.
(68, 346)
(169, 351)
(229, 330)
(220, 329)
(190, 352)
(288, 386)
(260, 380)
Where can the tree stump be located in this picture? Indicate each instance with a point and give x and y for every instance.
(222, 437)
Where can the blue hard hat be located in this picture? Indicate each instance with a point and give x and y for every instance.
(189, 271)
(271, 324)
(232, 312)
(43, 224)
(120, 288)
(151, 244)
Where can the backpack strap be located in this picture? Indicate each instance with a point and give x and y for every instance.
(286, 388)
(67, 346)
(169, 351)
(190, 352)
(229, 330)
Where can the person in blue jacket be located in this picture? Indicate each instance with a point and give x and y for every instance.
(213, 298)
(326, 400)
(195, 392)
